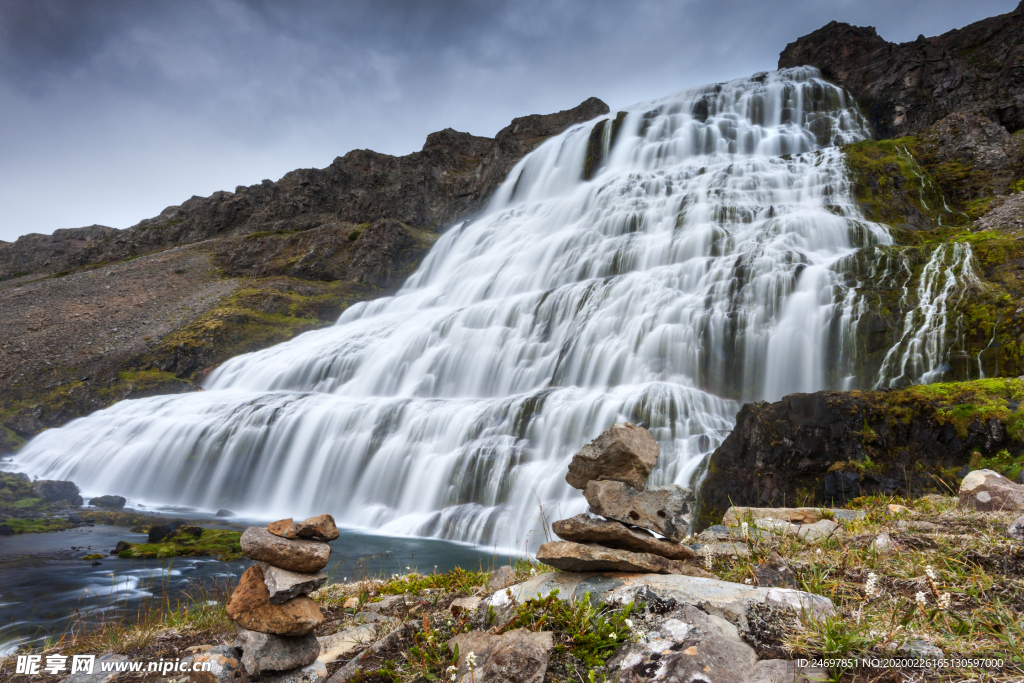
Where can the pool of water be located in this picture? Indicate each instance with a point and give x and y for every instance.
(47, 589)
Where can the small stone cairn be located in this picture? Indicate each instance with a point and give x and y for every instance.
(271, 607)
(612, 471)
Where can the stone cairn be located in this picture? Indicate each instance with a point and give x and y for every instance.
(271, 608)
(612, 471)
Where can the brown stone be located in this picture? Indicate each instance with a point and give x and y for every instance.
(610, 534)
(623, 452)
(249, 606)
(986, 490)
(501, 578)
(663, 509)
(321, 527)
(519, 656)
(294, 555)
(577, 557)
(285, 528)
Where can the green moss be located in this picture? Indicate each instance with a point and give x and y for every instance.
(94, 556)
(222, 544)
(37, 526)
(27, 503)
(961, 404)
(1003, 462)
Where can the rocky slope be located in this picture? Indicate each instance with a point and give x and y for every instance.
(904, 88)
(95, 315)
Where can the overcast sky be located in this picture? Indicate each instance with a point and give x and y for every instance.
(110, 111)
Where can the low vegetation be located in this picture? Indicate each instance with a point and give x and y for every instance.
(190, 541)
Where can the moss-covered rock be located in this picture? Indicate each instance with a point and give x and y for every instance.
(190, 541)
(829, 447)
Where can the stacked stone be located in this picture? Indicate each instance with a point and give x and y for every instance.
(272, 611)
(612, 472)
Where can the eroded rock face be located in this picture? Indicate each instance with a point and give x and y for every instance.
(265, 652)
(663, 509)
(321, 528)
(623, 452)
(579, 557)
(52, 491)
(987, 490)
(250, 607)
(587, 529)
(980, 66)
(294, 555)
(519, 656)
(283, 585)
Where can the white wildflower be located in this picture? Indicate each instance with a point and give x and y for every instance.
(931, 573)
(746, 531)
(749, 582)
(707, 557)
(921, 599)
(944, 601)
(471, 660)
(612, 635)
(629, 624)
(533, 571)
(452, 672)
(871, 589)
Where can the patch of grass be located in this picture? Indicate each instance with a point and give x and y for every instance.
(37, 526)
(219, 543)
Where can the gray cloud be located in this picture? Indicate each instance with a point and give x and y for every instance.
(113, 110)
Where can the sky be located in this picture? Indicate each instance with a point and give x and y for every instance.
(111, 111)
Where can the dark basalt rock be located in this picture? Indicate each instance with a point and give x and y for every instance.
(161, 531)
(108, 502)
(51, 491)
(904, 88)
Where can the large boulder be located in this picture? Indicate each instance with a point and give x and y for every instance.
(321, 528)
(663, 509)
(623, 452)
(294, 555)
(283, 585)
(579, 557)
(587, 529)
(249, 606)
(53, 491)
(986, 490)
(108, 502)
(519, 656)
(265, 652)
(158, 533)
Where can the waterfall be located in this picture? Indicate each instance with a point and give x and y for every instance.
(659, 267)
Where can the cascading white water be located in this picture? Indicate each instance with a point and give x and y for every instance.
(698, 266)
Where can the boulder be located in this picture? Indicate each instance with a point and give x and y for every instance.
(295, 555)
(986, 490)
(225, 513)
(588, 529)
(158, 533)
(314, 673)
(283, 585)
(1016, 529)
(663, 509)
(341, 644)
(99, 674)
(577, 557)
(501, 578)
(51, 491)
(249, 606)
(6, 530)
(109, 502)
(321, 527)
(285, 528)
(518, 656)
(467, 604)
(225, 665)
(623, 452)
(265, 652)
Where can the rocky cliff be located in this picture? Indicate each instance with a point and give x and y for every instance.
(904, 88)
(829, 447)
(95, 315)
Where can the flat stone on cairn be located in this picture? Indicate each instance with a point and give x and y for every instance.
(270, 606)
(612, 470)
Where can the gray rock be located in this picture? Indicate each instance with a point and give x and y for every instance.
(721, 598)
(284, 585)
(579, 557)
(623, 452)
(225, 513)
(109, 502)
(519, 656)
(1016, 529)
(922, 649)
(225, 665)
(501, 578)
(786, 671)
(161, 531)
(342, 644)
(986, 490)
(265, 652)
(467, 604)
(294, 555)
(51, 491)
(314, 673)
(882, 543)
(588, 529)
(662, 509)
(97, 675)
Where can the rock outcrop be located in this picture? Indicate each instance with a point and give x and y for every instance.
(986, 490)
(904, 88)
